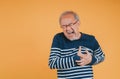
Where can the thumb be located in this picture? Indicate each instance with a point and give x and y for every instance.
(87, 52)
(79, 51)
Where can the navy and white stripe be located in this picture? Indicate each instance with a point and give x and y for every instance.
(98, 55)
(64, 54)
(59, 58)
(74, 72)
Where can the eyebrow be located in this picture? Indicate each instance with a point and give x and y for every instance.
(67, 24)
(70, 23)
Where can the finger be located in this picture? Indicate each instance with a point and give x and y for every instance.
(82, 64)
(89, 55)
(79, 64)
(78, 61)
(79, 49)
(79, 52)
(82, 60)
(87, 52)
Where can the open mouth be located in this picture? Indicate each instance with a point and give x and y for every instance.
(70, 32)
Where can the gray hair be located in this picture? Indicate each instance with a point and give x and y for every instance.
(68, 12)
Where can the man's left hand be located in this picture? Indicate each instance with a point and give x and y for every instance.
(85, 58)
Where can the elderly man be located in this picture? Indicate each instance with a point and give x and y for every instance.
(72, 52)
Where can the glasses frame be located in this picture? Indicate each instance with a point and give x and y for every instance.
(70, 25)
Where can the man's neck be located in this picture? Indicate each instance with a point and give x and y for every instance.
(78, 36)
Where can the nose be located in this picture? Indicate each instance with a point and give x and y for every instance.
(68, 28)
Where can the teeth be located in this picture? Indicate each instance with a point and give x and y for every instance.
(70, 32)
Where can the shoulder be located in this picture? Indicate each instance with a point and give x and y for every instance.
(58, 38)
(88, 36)
(58, 35)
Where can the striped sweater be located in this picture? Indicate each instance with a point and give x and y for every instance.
(64, 54)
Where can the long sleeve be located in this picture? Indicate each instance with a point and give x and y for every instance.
(57, 59)
(58, 62)
(64, 53)
(98, 55)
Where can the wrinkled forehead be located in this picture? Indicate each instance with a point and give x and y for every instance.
(68, 18)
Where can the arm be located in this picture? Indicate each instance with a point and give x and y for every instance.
(98, 55)
(55, 59)
(92, 58)
(58, 62)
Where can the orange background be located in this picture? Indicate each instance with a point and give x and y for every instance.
(28, 26)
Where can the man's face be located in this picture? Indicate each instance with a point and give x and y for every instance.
(70, 26)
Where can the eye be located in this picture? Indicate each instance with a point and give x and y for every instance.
(63, 26)
(70, 25)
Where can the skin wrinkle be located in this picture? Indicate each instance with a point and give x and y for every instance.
(70, 27)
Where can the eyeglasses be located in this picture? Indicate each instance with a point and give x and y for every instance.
(70, 25)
